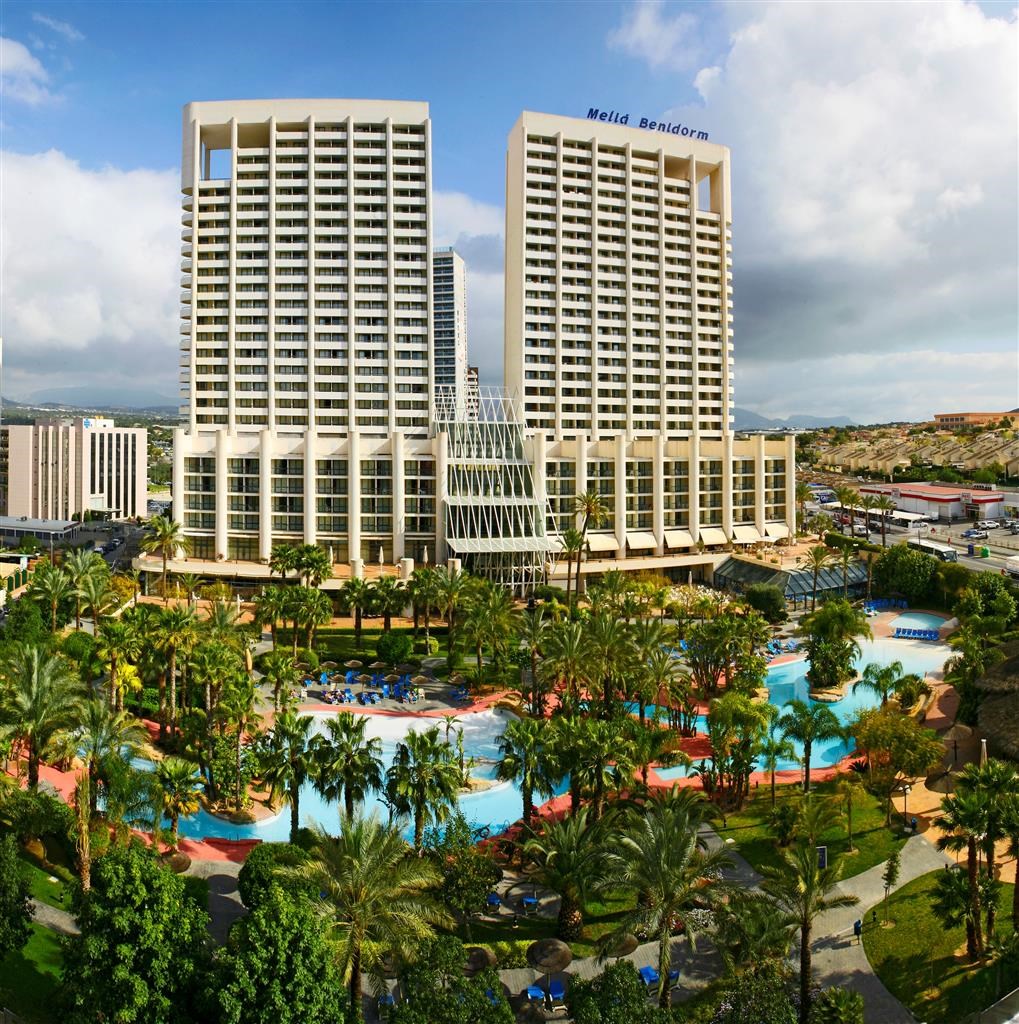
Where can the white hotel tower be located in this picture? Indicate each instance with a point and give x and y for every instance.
(308, 351)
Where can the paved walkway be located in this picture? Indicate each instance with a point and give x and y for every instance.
(53, 918)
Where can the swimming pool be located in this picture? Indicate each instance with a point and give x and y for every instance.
(495, 807)
(788, 681)
(918, 620)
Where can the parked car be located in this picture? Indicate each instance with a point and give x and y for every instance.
(859, 530)
(987, 524)
(975, 534)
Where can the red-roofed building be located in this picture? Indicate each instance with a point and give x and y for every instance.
(942, 501)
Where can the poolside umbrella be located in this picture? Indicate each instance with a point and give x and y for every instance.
(353, 664)
(378, 664)
(364, 679)
(456, 677)
(327, 664)
(405, 668)
(549, 955)
(392, 678)
(478, 958)
(420, 680)
(623, 945)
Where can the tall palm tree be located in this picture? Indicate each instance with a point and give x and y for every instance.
(188, 582)
(347, 763)
(659, 858)
(882, 681)
(180, 783)
(424, 591)
(884, 505)
(848, 498)
(572, 545)
(611, 653)
(867, 503)
(803, 495)
(270, 609)
(280, 671)
(104, 735)
(453, 589)
(1010, 826)
(97, 596)
(165, 538)
(532, 635)
(378, 901)
(649, 744)
(846, 557)
(283, 558)
(237, 710)
(423, 780)
(802, 890)
(313, 565)
(567, 662)
(772, 749)
(50, 586)
(962, 822)
(567, 856)
(314, 608)
(355, 596)
(600, 761)
(285, 760)
(809, 723)
(78, 565)
(816, 559)
(117, 641)
(527, 759)
(593, 511)
(43, 699)
(213, 663)
(388, 598)
(176, 634)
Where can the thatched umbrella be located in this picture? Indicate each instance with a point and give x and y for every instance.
(353, 663)
(550, 956)
(404, 668)
(420, 680)
(622, 945)
(478, 958)
(376, 665)
(327, 664)
(393, 677)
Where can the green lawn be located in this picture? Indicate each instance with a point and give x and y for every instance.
(39, 876)
(29, 978)
(916, 961)
(874, 842)
(339, 645)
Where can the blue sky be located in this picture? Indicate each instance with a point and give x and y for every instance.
(873, 157)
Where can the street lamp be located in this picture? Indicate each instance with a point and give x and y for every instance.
(906, 790)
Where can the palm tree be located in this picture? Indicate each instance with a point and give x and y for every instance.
(802, 889)
(567, 856)
(533, 633)
(660, 860)
(313, 565)
(881, 681)
(188, 582)
(279, 670)
(600, 759)
(42, 700)
(1010, 826)
(237, 709)
(750, 930)
(848, 498)
(590, 505)
(282, 559)
(610, 652)
(355, 596)
(808, 723)
(104, 735)
(846, 557)
(771, 750)
(650, 744)
(165, 538)
(848, 786)
(388, 598)
(803, 495)
(180, 782)
(867, 503)
(453, 588)
(377, 899)
(962, 822)
(285, 760)
(313, 608)
(117, 641)
(884, 505)
(213, 663)
(97, 596)
(567, 662)
(526, 758)
(176, 633)
(78, 565)
(815, 559)
(270, 609)
(572, 545)
(347, 762)
(423, 780)
(424, 592)
(50, 587)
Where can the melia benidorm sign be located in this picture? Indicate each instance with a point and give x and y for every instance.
(669, 127)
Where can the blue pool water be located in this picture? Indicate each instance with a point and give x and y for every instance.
(789, 681)
(918, 620)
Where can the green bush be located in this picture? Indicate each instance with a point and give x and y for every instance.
(768, 600)
(260, 869)
(306, 656)
(840, 540)
(429, 647)
(394, 648)
(197, 890)
(837, 1006)
(33, 815)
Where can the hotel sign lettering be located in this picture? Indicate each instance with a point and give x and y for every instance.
(669, 127)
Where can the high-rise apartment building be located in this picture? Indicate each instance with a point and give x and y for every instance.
(67, 468)
(449, 302)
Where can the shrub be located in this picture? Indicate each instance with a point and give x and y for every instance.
(394, 648)
(260, 870)
(783, 821)
(429, 647)
(307, 657)
(35, 814)
(837, 1006)
(509, 955)
(546, 592)
(768, 600)
(840, 540)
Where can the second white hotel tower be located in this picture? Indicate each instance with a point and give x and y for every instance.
(307, 354)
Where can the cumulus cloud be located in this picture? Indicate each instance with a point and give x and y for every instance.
(874, 195)
(89, 266)
(663, 40)
(22, 76)
(62, 28)
(475, 230)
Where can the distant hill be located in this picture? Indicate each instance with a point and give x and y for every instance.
(747, 419)
(86, 397)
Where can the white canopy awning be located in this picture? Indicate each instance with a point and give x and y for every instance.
(495, 545)
(602, 542)
(746, 535)
(679, 538)
(776, 530)
(641, 541)
(713, 535)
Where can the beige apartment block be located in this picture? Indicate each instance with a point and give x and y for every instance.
(63, 468)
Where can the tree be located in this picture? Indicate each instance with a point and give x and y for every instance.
(176, 633)
(527, 759)
(567, 662)
(284, 756)
(901, 570)
(884, 505)
(890, 877)
(772, 750)
(104, 735)
(271, 606)
(423, 780)
(831, 645)
(51, 587)
(118, 642)
(278, 968)
(313, 565)
(283, 558)
(377, 899)
(848, 498)
(659, 859)
(845, 557)
(760, 994)
(848, 786)
(880, 680)
(615, 996)
(355, 596)
(80, 564)
(15, 906)
(572, 546)
(180, 782)
(837, 1005)
(42, 701)
(310, 609)
(346, 762)
(453, 588)
(279, 670)
(97, 596)
(803, 495)
(962, 821)
(388, 598)
(809, 723)
(750, 931)
(650, 744)
(423, 590)
(768, 599)
(815, 559)
(567, 857)
(801, 889)
(591, 507)
(142, 950)
(166, 539)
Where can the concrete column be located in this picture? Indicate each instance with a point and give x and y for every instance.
(658, 492)
(727, 518)
(399, 497)
(406, 566)
(265, 494)
(310, 519)
(357, 568)
(581, 466)
(222, 499)
(354, 497)
(790, 484)
(539, 457)
(694, 476)
(621, 481)
(441, 493)
(759, 510)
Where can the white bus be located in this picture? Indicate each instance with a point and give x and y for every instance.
(944, 552)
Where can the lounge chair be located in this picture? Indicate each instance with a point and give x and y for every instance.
(650, 977)
(557, 992)
(535, 994)
(385, 691)
(348, 696)
(530, 904)
(493, 901)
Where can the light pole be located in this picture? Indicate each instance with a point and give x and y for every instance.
(906, 790)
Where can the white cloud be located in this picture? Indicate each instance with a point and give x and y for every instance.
(457, 214)
(874, 188)
(62, 28)
(89, 273)
(22, 76)
(663, 41)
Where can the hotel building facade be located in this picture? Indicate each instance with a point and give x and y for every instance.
(449, 301)
(310, 363)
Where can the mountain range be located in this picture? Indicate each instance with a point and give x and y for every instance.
(746, 419)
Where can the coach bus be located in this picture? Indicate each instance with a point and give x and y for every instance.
(944, 552)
